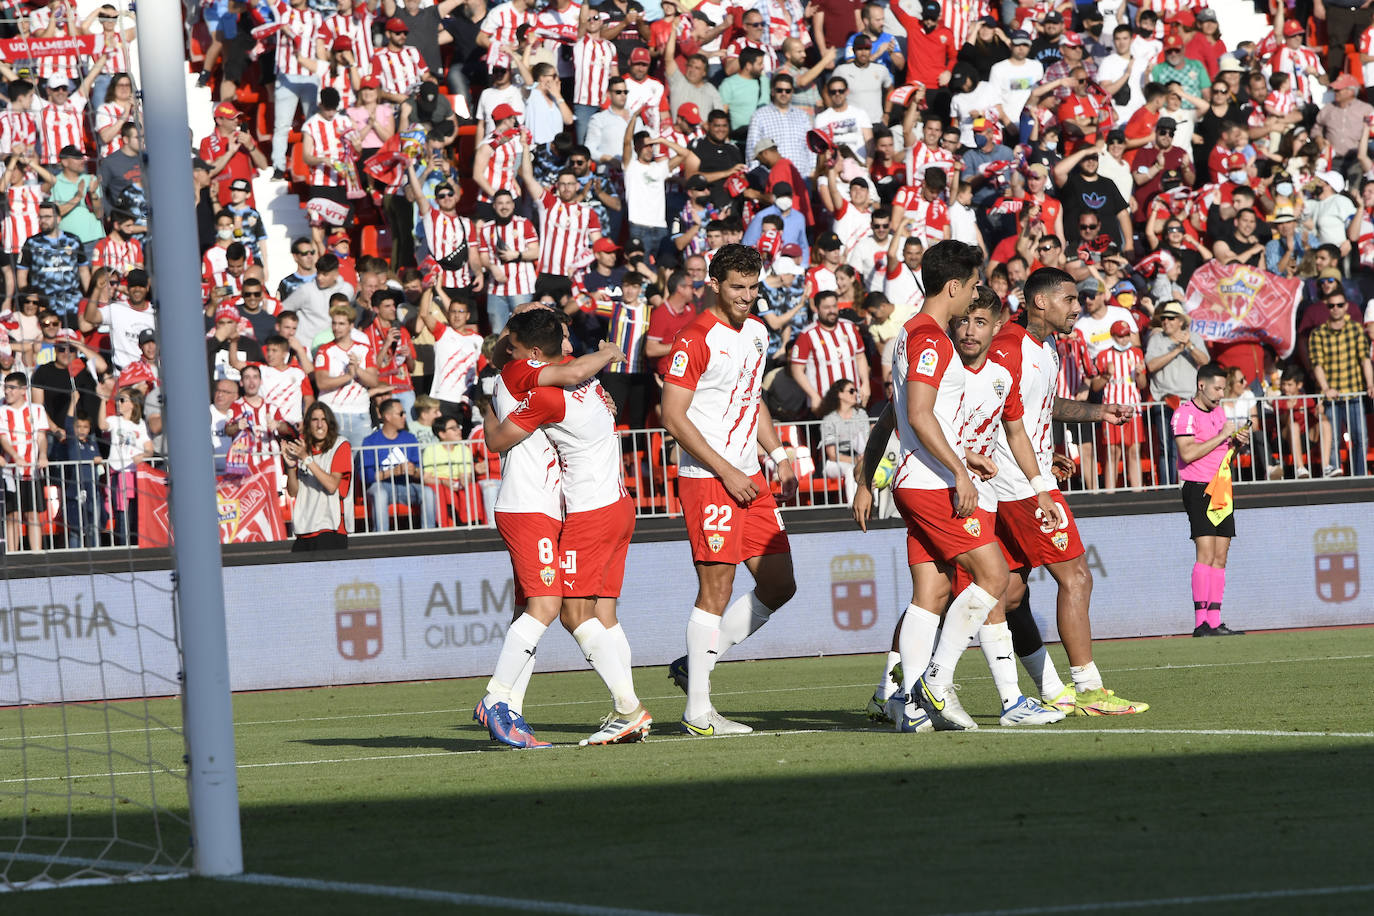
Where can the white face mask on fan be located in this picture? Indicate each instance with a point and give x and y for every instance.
(783, 203)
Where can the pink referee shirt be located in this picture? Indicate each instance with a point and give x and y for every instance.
(1191, 420)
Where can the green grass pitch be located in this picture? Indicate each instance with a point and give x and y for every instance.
(816, 812)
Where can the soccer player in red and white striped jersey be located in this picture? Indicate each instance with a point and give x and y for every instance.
(829, 350)
(567, 227)
(399, 66)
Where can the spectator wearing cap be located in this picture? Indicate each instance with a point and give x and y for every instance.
(338, 69)
(497, 159)
(646, 178)
(1284, 252)
(1327, 212)
(500, 91)
(1173, 354)
(1343, 373)
(72, 188)
(231, 152)
(1153, 160)
(1344, 123)
(126, 320)
(645, 94)
(744, 91)
(931, 49)
(248, 223)
(61, 119)
(226, 345)
(1206, 45)
(883, 45)
(772, 169)
(786, 310)
(1013, 78)
(783, 124)
(1072, 56)
(868, 80)
(1176, 68)
(1301, 63)
(55, 263)
(1047, 45)
(71, 373)
(310, 301)
(793, 222)
(595, 290)
(296, 87)
(400, 66)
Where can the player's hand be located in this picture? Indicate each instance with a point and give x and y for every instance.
(863, 506)
(1117, 414)
(1050, 512)
(741, 489)
(982, 465)
(1062, 467)
(787, 481)
(966, 496)
(617, 354)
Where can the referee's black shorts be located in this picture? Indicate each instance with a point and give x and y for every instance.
(1195, 503)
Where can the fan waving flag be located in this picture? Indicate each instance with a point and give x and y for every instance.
(1221, 491)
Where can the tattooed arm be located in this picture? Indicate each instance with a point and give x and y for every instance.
(1070, 411)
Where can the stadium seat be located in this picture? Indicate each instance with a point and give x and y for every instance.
(299, 172)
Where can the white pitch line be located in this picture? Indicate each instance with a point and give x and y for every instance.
(652, 699)
(1159, 902)
(433, 896)
(678, 739)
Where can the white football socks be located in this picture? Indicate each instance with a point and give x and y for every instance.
(516, 651)
(521, 685)
(703, 635)
(1086, 677)
(1041, 669)
(602, 655)
(995, 639)
(616, 635)
(965, 615)
(741, 620)
(916, 639)
(886, 686)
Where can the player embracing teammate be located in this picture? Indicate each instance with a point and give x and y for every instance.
(713, 407)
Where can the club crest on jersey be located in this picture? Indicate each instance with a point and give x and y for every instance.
(715, 542)
(999, 388)
(679, 366)
(758, 346)
(546, 575)
(1060, 540)
(974, 527)
(927, 361)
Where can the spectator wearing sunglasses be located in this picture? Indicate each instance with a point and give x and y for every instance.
(1153, 160)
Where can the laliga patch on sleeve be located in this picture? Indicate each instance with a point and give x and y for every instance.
(927, 362)
(536, 364)
(679, 366)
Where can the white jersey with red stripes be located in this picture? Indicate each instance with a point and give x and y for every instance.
(286, 390)
(930, 217)
(989, 398)
(18, 128)
(1120, 366)
(513, 236)
(445, 233)
(215, 261)
(921, 157)
(357, 28)
(110, 45)
(924, 353)
(1034, 368)
(580, 422)
(594, 63)
(565, 235)
(107, 115)
(1297, 62)
(501, 167)
(819, 279)
(770, 56)
(119, 256)
(22, 425)
(68, 65)
(500, 25)
(61, 125)
(1075, 368)
(399, 69)
(328, 135)
(959, 15)
(1282, 103)
(650, 96)
(334, 359)
(829, 354)
(21, 221)
(260, 420)
(299, 29)
(342, 83)
(530, 478)
(723, 367)
(455, 362)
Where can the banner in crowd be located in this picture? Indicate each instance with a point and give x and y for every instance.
(1234, 303)
(32, 48)
(248, 511)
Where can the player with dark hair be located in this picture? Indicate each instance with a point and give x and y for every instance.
(713, 406)
(1029, 536)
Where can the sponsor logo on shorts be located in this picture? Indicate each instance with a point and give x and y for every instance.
(974, 527)
(679, 366)
(927, 361)
(715, 542)
(1060, 539)
(1337, 564)
(853, 591)
(547, 575)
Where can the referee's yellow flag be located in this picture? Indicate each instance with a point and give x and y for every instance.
(1220, 490)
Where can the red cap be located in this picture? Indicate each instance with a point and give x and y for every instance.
(1232, 161)
(338, 235)
(1292, 27)
(394, 24)
(1185, 18)
(370, 82)
(1072, 39)
(604, 244)
(790, 250)
(226, 313)
(1345, 81)
(68, 334)
(689, 112)
(1173, 42)
(134, 373)
(227, 110)
(1121, 329)
(639, 56)
(501, 112)
(342, 43)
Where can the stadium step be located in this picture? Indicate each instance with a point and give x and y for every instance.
(284, 220)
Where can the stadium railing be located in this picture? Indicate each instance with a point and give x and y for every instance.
(457, 490)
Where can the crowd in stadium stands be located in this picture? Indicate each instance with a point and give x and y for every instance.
(460, 159)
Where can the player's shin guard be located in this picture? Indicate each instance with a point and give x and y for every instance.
(517, 649)
(740, 621)
(703, 634)
(965, 615)
(916, 639)
(602, 655)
